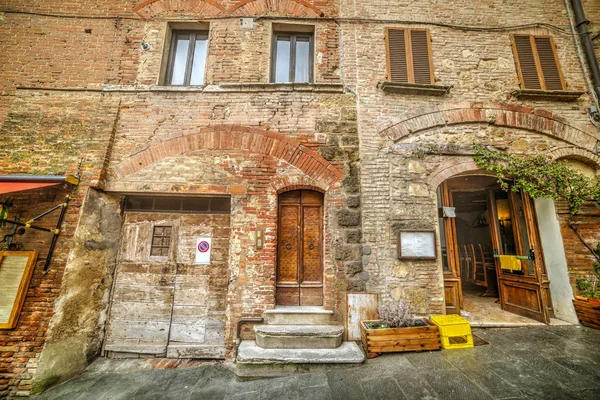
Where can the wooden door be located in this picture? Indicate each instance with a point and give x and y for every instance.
(299, 248)
(450, 260)
(523, 291)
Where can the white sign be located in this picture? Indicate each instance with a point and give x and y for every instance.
(416, 245)
(203, 248)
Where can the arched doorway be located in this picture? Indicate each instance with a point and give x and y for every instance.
(300, 249)
(491, 248)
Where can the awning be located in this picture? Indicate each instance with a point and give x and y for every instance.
(18, 183)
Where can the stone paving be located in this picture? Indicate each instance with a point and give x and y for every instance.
(549, 362)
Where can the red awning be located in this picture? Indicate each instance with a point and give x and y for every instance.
(18, 183)
(9, 187)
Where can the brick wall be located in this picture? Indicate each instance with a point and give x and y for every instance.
(80, 93)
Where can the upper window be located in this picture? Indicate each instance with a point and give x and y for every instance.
(537, 62)
(409, 56)
(292, 57)
(187, 58)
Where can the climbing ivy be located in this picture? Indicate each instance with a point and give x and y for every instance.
(539, 176)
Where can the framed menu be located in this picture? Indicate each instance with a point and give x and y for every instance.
(416, 245)
(16, 268)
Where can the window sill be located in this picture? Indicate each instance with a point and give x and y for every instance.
(558, 95)
(249, 87)
(282, 87)
(414, 88)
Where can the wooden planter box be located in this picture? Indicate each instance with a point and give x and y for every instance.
(588, 313)
(387, 340)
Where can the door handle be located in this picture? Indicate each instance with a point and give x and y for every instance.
(288, 246)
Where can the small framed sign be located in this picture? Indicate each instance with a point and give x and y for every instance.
(416, 245)
(16, 268)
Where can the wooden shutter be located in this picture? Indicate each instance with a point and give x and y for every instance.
(397, 60)
(537, 63)
(409, 56)
(549, 63)
(421, 56)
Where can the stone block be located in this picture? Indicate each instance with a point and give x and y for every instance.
(347, 252)
(349, 218)
(353, 201)
(353, 236)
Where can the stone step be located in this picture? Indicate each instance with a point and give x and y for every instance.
(297, 315)
(254, 361)
(299, 336)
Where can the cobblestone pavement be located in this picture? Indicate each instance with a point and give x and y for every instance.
(558, 362)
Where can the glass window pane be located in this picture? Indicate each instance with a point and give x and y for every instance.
(220, 204)
(282, 60)
(181, 49)
(167, 204)
(302, 59)
(195, 204)
(199, 62)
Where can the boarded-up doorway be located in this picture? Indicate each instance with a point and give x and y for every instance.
(163, 304)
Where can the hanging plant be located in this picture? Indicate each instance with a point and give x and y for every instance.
(539, 176)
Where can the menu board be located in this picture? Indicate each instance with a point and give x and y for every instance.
(416, 245)
(16, 268)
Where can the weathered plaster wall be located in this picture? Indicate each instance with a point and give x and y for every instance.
(76, 330)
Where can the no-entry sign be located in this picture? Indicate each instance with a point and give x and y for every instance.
(203, 247)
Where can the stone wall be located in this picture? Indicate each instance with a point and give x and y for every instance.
(409, 144)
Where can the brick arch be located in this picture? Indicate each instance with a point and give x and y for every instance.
(298, 8)
(450, 168)
(575, 153)
(319, 172)
(151, 8)
(497, 114)
(286, 184)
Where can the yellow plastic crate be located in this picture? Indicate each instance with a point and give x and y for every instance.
(455, 331)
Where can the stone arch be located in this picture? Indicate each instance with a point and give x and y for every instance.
(298, 8)
(318, 171)
(575, 153)
(151, 8)
(497, 114)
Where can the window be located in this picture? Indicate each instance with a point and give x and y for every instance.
(292, 57)
(409, 56)
(161, 240)
(187, 58)
(537, 63)
(183, 205)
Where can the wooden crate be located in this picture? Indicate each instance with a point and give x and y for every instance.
(588, 313)
(418, 338)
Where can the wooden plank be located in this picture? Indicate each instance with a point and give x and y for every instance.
(360, 307)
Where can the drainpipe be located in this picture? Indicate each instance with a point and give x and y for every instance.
(582, 25)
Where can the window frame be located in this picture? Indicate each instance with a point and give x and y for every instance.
(410, 72)
(292, 72)
(536, 57)
(194, 35)
(161, 247)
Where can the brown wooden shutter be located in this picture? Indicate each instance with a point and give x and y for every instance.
(409, 56)
(549, 63)
(421, 60)
(396, 48)
(537, 63)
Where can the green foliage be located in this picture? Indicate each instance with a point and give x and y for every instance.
(539, 176)
(589, 287)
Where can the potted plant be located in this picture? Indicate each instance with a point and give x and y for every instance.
(398, 330)
(587, 304)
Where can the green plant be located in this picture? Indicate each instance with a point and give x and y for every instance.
(589, 287)
(539, 176)
(395, 313)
